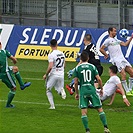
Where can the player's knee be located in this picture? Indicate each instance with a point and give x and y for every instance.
(15, 69)
(48, 90)
(84, 114)
(123, 75)
(131, 73)
(13, 89)
(100, 110)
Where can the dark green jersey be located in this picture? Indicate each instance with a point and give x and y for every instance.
(4, 54)
(86, 74)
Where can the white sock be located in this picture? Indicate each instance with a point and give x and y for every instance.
(50, 97)
(130, 83)
(124, 83)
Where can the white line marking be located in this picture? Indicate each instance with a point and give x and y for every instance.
(42, 79)
(69, 105)
(22, 102)
(67, 80)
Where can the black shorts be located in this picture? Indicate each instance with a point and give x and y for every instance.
(100, 71)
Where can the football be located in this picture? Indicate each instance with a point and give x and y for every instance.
(123, 33)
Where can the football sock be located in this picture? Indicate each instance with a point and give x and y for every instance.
(124, 83)
(19, 79)
(85, 121)
(103, 119)
(11, 95)
(72, 82)
(130, 83)
(50, 97)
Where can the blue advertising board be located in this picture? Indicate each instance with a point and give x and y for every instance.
(67, 37)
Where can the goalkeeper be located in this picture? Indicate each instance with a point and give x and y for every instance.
(90, 48)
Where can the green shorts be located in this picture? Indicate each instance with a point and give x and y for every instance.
(93, 98)
(8, 79)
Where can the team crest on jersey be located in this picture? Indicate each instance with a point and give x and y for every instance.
(113, 43)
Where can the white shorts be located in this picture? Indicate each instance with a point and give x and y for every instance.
(121, 64)
(103, 97)
(55, 81)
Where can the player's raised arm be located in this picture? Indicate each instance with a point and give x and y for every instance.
(127, 42)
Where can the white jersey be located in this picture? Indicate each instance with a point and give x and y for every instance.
(58, 59)
(110, 86)
(114, 48)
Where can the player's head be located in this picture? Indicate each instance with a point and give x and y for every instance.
(53, 43)
(113, 69)
(87, 39)
(112, 31)
(84, 56)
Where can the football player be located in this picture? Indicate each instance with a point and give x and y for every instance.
(116, 57)
(54, 75)
(85, 73)
(90, 48)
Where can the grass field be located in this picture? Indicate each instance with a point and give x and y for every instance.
(31, 114)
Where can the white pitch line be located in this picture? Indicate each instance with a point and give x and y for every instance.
(37, 103)
(42, 79)
(67, 105)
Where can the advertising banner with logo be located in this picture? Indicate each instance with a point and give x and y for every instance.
(32, 42)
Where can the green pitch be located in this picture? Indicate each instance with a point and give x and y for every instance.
(31, 114)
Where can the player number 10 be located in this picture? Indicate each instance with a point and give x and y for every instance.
(86, 75)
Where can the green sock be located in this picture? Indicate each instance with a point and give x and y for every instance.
(85, 121)
(19, 79)
(11, 95)
(103, 118)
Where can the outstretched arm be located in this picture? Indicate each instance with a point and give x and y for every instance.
(125, 100)
(70, 72)
(127, 42)
(112, 99)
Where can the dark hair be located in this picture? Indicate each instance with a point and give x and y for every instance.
(110, 29)
(53, 42)
(84, 56)
(114, 69)
(88, 37)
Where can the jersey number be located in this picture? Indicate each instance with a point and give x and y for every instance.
(60, 62)
(86, 75)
